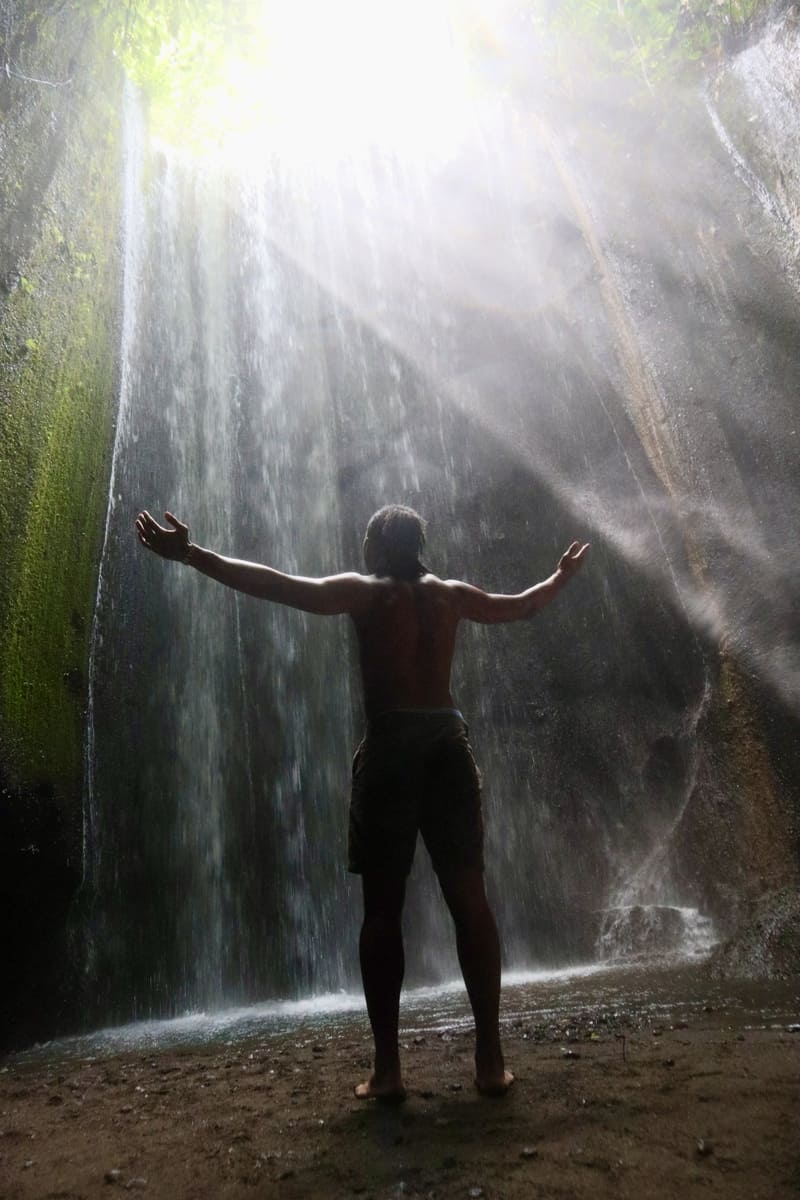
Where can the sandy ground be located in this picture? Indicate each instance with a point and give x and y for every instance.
(612, 1098)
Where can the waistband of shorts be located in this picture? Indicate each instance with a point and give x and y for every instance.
(409, 716)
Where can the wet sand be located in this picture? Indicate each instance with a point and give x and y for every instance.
(628, 1085)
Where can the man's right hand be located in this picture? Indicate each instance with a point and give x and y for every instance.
(167, 543)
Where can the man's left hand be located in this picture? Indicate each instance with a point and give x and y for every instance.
(571, 559)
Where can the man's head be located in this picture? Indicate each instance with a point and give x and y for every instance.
(393, 542)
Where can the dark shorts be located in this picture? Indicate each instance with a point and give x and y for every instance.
(414, 771)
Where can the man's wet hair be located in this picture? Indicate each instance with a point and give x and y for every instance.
(397, 536)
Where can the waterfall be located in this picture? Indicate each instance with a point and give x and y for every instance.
(300, 347)
(216, 721)
(645, 917)
(134, 149)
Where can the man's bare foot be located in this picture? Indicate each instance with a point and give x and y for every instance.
(496, 1085)
(388, 1091)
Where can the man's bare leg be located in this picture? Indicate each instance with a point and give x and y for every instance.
(479, 955)
(382, 968)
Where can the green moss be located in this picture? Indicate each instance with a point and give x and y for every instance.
(58, 351)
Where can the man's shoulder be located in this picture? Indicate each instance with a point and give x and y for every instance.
(445, 589)
(388, 582)
(426, 589)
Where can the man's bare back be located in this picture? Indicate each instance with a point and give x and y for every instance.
(406, 638)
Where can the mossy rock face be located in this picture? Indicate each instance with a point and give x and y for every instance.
(57, 386)
(60, 196)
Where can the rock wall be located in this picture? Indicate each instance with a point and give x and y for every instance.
(755, 104)
(696, 241)
(59, 308)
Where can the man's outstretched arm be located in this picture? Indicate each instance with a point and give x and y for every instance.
(327, 596)
(489, 608)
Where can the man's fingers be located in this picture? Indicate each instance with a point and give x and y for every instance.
(177, 525)
(146, 529)
(572, 556)
(148, 524)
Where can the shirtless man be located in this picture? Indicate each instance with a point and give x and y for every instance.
(414, 770)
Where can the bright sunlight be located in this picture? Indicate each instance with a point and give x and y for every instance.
(338, 78)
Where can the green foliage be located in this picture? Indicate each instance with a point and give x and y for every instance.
(654, 37)
(179, 53)
(185, 55)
